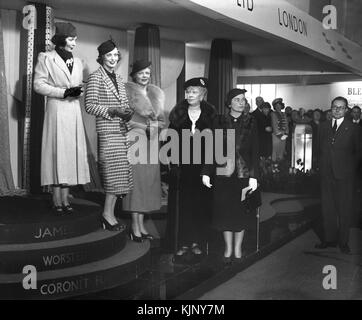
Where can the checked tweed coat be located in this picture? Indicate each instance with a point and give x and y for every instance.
(64, 150)
(113, 143)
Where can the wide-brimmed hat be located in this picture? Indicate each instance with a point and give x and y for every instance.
(139, 65)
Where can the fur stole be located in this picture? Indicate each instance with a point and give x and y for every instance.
(179, 117)
(151, 105)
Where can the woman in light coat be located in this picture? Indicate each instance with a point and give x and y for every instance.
(148, 101)
(106, 99)
(58, 76)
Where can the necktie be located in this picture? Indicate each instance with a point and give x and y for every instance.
(334, 126)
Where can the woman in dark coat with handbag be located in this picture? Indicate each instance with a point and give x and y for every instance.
(241, 171)
(195, 117)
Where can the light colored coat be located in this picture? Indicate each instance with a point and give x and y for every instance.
(64, 151)
(149, 108)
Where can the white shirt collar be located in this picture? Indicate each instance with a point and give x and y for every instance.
(339, 121)
(356, 121)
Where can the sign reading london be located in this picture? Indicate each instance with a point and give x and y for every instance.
(289, 20)
(286, 22)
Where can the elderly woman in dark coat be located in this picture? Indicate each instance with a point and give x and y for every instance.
(192, 118)
(240, 171)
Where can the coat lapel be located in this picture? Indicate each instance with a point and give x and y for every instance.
(110, 84)
(342, 128)
(61, 64)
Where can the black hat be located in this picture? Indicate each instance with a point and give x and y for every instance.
(65, 29)
(232, 94)
(139, 65)
(106, 47)
(196, 82)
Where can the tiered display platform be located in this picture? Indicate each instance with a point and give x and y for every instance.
(72, 254)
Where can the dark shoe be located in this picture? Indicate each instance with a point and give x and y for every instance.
(325, 245)
(134, 238)
(345, 248)
(227, 260)
(68, 209)
(110, 227)
(58, 210)
(238, 259)
(147, 236)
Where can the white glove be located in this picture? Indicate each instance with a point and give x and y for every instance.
(283, 137)
(253, 184)
(206, 181)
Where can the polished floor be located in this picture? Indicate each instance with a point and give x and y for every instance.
(168, 279)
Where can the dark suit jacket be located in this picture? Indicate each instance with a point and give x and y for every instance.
(339, 154)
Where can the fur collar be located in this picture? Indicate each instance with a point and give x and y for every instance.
(179, 117)
(150, 105)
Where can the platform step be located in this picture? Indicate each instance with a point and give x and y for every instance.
(113, 271)
(28, 220)
(62, 253)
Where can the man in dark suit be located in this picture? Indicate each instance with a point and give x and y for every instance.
(264, 127)
(339, 153)
(356, 115)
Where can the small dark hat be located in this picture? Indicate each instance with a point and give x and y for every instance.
(196, 82)
(232, 94)
(65, 29)
(139, 65)
(105, 47)
(278, 100)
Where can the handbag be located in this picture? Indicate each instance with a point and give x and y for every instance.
(251, 200)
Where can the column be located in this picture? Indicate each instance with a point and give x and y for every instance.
(220, 73)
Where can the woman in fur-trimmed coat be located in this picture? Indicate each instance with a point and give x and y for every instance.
(148, 102)
(189, 202)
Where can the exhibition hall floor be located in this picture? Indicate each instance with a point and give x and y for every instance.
(283, 219)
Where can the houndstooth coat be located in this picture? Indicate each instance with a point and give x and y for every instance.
(113, 143)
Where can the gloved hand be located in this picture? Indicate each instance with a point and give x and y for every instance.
(73, 92)
(283, 137)
(206, 181)
(253, 184)
(126, 114)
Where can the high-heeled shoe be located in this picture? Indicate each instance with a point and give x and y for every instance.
(110, 227)
(67, 209)
(146, 236)
(227, 260)
(58, 210)
(134, 238)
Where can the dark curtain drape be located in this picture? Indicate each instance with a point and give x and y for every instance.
(37, 105)
(147, 47)
(6, 177)
(180, 92)
(220, 73)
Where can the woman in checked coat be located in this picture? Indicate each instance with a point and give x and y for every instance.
(106, 99)
(58, 76)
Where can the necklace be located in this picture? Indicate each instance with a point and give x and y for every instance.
(194, 115)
